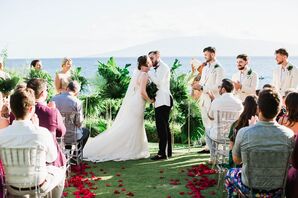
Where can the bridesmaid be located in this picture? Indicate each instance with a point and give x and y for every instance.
(63, 77)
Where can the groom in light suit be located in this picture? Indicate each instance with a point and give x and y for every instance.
(285, 76)
(163, 104)
(212, 76)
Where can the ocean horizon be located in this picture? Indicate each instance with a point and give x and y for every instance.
(263, 65)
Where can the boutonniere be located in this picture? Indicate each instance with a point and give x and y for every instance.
(216, 66)
(290, 67)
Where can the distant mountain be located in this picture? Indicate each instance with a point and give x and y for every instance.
(193, 46)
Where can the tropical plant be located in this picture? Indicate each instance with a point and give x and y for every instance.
(182, 104)
(34, 73)
(77, 76)
(7, 85)
(116, 79)
(193, 122)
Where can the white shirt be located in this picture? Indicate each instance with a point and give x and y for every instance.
(23, 133)
(225, 102)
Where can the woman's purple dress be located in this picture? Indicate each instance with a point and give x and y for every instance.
(292, 180)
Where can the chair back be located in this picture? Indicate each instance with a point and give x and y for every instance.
(71, 121)
(271, 173)
(223, 122)
(24, 167)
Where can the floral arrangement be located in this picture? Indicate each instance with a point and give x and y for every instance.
(151, 90)
(290, 67)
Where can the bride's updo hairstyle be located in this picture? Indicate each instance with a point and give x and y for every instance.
(142, 61)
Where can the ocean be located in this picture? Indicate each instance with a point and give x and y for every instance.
(262, 65)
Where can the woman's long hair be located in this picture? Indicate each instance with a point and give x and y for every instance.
(250, 109)
(292, 108)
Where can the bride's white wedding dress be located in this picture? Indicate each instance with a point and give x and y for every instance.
(126, 139)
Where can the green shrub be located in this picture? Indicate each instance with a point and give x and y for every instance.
(95, 125)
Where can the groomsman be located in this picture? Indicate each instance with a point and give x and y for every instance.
(285, 76)
(212, 76)
(245, 80)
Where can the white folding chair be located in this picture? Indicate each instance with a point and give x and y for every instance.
(25, 170)
(223, 122)
(72, 142)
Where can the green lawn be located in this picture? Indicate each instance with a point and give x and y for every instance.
(147, 178)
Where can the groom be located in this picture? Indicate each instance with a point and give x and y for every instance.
(163, 104)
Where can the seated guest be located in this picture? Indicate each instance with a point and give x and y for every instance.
(250, 109)
(3, 123)
(226, 102)
(25, 132)
(49, 117)
(283, 111)
(36, 64)
(266, 133)
(290, 120)
(68, 102)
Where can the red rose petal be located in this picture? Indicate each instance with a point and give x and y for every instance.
(116, 192)
(130, 194)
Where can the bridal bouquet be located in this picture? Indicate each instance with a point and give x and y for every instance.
(151, 90)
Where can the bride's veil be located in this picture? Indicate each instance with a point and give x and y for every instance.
(130, 92)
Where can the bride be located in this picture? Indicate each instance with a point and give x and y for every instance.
(126, 139)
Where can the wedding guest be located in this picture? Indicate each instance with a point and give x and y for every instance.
(225, 102)
(292, 179)
(63, 77)
(212, 76)
(36, 64)
(285, 76)
(49, 117)
(266, 133)
(290, 120)
(68, 102)
(3, 74)
(25, 132)
(3, 124)
(250, 109)
(3, 120)
(245, 80)
(283, 110)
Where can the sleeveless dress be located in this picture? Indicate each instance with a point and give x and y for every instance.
(126, 139)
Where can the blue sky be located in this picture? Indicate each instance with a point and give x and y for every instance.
(58, 28)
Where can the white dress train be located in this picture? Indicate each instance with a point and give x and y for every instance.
(126, 139)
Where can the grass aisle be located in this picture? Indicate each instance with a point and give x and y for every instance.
(146, 178)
